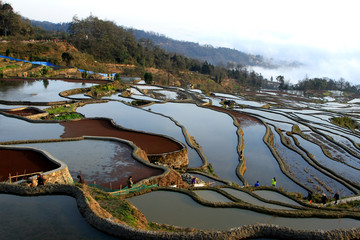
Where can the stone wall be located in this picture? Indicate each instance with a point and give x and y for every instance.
(176, 159)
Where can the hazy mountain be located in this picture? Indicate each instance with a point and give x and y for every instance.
(216, 56)
(49, 26)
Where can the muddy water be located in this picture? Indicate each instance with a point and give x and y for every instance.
(304, 172)
(103, 162)
(138, 119)
(15, 129)
(253, 200)
(45, 217)
(37, 90)
(180, 210)
(213, 131)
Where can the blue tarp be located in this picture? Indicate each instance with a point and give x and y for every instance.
(35, 62)
(53, 65)
(14, 59)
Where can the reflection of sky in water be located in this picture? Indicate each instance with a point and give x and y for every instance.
(269, 115)
(2, 106)
(38, 90)
(343, 140)
(138, 119)
(249, 103)
(212, 196)
(260, 163)
(253, 200)
(15, 129)
(169, 94)
(270, 195)
(79, 96)
(159, 207)
(339, 168)
(94, 159)
(44, 217)
(214, 131)
(147, 87)
(101, 161)
(224, 95)
(302, 171)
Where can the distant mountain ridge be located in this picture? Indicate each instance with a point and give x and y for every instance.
(49, 26)
(216, 56)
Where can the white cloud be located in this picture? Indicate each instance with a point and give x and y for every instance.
(315, 32)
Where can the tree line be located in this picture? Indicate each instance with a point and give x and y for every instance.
(325, 84)
(111, 43)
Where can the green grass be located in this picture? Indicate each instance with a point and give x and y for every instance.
(61, 109)
(117, 207)
(68, 116)
(346, 122)
(349, 205)
(9, 66)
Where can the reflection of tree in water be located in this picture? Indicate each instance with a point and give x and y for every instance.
(6, 85)
(46, 83)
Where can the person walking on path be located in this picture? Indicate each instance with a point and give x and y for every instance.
(336, 196)
(323, 199)
(130, 182)
(257, 184)
(273, 182)
(309, 196)
(81, 179)
(41, 180)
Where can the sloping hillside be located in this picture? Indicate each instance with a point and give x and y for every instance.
(216, 56)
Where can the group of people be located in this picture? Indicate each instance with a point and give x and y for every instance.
(324, 198)
(38, 181)
(273, 183)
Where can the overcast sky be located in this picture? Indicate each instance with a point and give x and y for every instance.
(323, 34)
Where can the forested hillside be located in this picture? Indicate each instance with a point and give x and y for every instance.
(216, 56)
(103, 46)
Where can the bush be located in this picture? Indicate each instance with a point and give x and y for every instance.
(148, 78)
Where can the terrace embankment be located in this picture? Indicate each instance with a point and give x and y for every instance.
(158, 148)
(28, 112)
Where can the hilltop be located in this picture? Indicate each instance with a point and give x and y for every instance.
(216, 56)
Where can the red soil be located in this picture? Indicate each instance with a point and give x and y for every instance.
(24, 112)
(244, 119)
(18, 162)
(151, 144)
